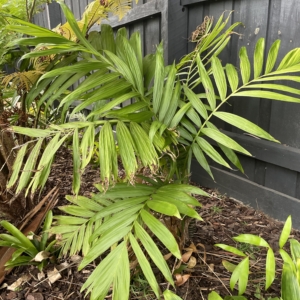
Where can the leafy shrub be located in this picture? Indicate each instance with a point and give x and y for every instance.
(163, 127)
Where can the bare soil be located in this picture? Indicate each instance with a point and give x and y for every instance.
(223, 217)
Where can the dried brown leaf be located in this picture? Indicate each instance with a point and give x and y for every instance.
(41, 256)
(180, 280)
(53, 275)
(19, 282)
(192, 262)
(168, 256)
(186, 256)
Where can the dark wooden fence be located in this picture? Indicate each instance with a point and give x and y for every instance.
(272, 176)
(148, 16)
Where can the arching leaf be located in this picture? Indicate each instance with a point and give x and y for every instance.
(259, 57)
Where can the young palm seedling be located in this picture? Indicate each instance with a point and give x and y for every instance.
(31, 249)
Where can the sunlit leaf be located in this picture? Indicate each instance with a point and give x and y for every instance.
(162, 233)
(240, 275)
(270, 268)
(286, 231)
(145, 266)
(231, 249)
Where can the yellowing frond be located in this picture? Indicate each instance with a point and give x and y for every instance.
(22, 80)
(94, 13)
(67, 32)
(120, 7)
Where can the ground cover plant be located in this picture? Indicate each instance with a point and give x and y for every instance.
(290, 278)
(23, 9)
(154, 138)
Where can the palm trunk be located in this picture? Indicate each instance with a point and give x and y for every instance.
(12, 206)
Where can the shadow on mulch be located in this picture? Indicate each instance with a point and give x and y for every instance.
(223, 218)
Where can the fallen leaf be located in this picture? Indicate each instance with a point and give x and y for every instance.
(192, 262)
(35, 296)
(168, 256)
(41, 276)
(133, 264)
(59, 237)
(211, 268)
(11, 296)
(41, 256)
(76, 258)
(64, 265)
(186, 256)
(19, 282)
(180, 280)
(53, 275)
(192, 248)
(3, 286)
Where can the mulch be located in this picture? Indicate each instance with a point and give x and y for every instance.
(223, 217)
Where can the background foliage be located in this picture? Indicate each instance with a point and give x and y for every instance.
(23, 9)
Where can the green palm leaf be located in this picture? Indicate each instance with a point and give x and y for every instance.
(162, 233)
(232, 76)
(29, 166)
(158, 78)
(209, 150)
(245, 65)
(244, 124)
(258, 59)
(107, 154)
(224, 140)
(153, 251)
(220, 78)
(110, 266)
(272, 56)
(167, 93)
(145, 266)
(17, 165)
(196, 102)
(143, 145)
(127, 149)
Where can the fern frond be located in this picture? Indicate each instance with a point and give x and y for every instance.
(94, 13)
(22, 80)
(120, 7)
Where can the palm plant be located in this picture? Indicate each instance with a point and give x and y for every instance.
(163, 127)
(20, 103)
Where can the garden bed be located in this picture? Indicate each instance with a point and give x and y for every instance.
(223, 218)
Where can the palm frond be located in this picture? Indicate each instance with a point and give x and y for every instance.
(119, 217)
(120, 7)
(22, 80)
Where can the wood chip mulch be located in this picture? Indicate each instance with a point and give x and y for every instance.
(223, 217)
